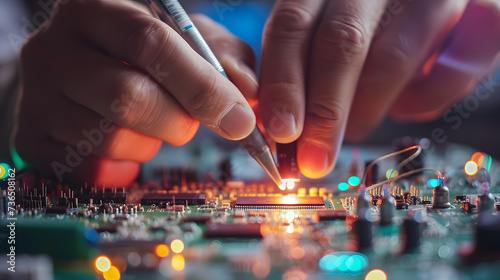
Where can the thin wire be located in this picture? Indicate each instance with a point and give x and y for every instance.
(404, 162)
(393, 180)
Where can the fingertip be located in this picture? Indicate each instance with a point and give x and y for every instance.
(281, 125)
(116, 172)
(189, 129)
(315, 161)
(237, 122)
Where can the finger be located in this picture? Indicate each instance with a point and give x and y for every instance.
(339, 50)
(153, 47)
(128, 98)
(62, 162)
(90, 133)
(236, 57)
(285, 49)
(458, 69)
(395, 56)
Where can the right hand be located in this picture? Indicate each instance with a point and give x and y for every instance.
(86, 116)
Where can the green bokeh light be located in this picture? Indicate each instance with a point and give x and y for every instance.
(343, 263)
(343, 186)
(354, 181)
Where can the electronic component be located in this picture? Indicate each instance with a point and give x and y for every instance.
(192, 229)
(441, 196)
(363, 227)
(387, 208)
(331, 214)
(174, 198)
(413, 228)
(287, 164)
(279, 202)
(222, 230)
(362, 201)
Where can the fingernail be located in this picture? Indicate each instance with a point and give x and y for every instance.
(314, 160)
(249, 73)
(281, 124)
(237, 121)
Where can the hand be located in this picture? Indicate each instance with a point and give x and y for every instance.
(104, 83)
(327, 62)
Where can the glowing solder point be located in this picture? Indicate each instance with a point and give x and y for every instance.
(288, 184)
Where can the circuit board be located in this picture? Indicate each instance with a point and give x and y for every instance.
(418, 227)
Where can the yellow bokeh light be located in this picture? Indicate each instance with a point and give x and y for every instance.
(2, 171)
(162, 250)
(177, 246)
(391, 173)
(102, 264)
(112, 274)
(470, 168)
(376, 274)
(301, 192)
(178, 262)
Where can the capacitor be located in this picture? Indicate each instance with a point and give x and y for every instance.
(413, 228)
(486, 203)
(441, 196)
(387, 208)
(287, 160)
(362, 201)
(363, 227)
(487, 232)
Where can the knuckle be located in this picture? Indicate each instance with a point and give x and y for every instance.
(291, 19)
(144, 112)
(147, 42)
(204, 96)
(393, 58)
(324, 117)
(340, 37)
(187, 129)
(134, 98)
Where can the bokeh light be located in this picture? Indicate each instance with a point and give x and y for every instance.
(343, 186)
(177, 246)
(343, 263)
(112, 274)
(376, 274)
(433, 182)
(354, 181)
(482, 160)
(4, 170)
(297, 252)
(162, 250)
(261, 269)
(102, 264)
(178, 262)
(391, 173)
(470, 168)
